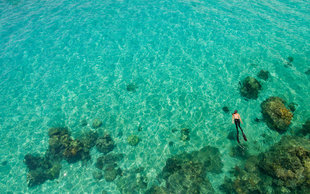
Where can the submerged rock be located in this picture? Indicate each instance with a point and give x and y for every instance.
(276, 115)
(290, 59)
(58, 131)
(307, 72)
(108, 160)
(40, 169)
(288, 162)
(186, 172)
(105, 144)
(131, 87)
(263, 75)
(305, 130)
(89, 138)
(97, 175)
(250, 88)
(225, 109)
(157, 190)
(111, 172)
(133, 140)
(96, 123)
(132, 181)
(283, 168)
(61, 146)
(185, 134)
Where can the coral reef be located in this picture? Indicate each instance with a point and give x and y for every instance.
(105, 144)
(97, 175)
(40, 169)
(132, 181)
(185, 134)
(290, 59)
(131, 87)
(96, 123)
(305, 130)
(157, 190)
(109, 166)
(108, 160)
(61, 146)
(276, 115)
(225, 109)
(307, 72)
(111, 171)
(239, 152)
(288, 162)
(285, 168)
(186, 172)
(133, 140)
(250, 88)
(263, 74)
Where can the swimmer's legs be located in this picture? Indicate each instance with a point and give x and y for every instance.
(237, 131)
(244, 137)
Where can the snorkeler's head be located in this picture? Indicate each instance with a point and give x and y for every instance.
(235, 111)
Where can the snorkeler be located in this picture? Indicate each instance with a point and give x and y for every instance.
(237, 119)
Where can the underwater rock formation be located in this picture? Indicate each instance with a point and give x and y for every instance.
(285, 168)
(89, 139)
(247, 180)
(40, 169)
(61, 146)
(263, 74)
(185, 134)
(105, 144)
(239, 152)
(131, 87)
(290, 59)
(305, 130)
(208, 156)
(59, 140)
(225, 109)
(288, 162)
(133, 140)
(186, 172)
(96, 123)
(276, 115)
(97, 175)
(111, 171)
(250, 88)
(132, 181)
(157, 190)
(108, 159)
(108, 164)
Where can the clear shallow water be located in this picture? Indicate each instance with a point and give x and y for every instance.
(63, 62)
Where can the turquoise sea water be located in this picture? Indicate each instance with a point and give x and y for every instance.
(63, 62)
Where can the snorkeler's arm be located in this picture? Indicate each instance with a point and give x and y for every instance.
(232, 119)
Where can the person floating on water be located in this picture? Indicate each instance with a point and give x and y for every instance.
(237, 119)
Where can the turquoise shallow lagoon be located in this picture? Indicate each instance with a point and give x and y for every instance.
(66, 62)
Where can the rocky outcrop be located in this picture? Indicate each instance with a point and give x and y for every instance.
(285, 168)
(61, 146)
(40, 169)
(288, 162)
(105, 144)
(186, 172)
(250, 88)
(276, 115)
